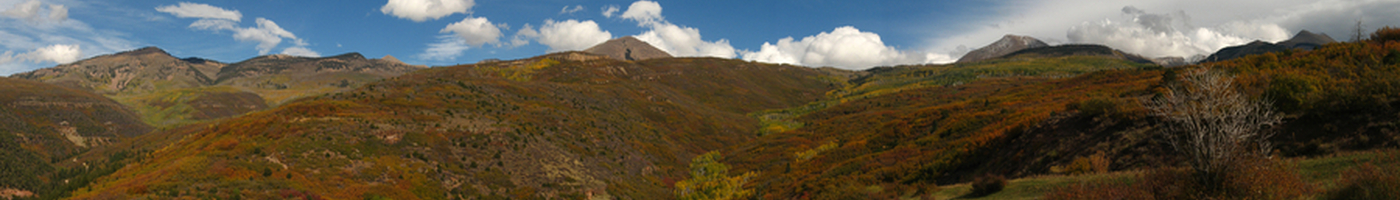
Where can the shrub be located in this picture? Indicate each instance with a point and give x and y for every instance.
(987, 184)
(1098, 107)
(1096, 163)
(1212, 125)
(1367, 182)
(1252, 179)
(1385, 34)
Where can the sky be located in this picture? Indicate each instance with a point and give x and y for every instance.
(845, 34)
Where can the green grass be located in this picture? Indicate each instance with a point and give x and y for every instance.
(1320, 171)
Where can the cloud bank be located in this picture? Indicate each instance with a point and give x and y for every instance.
(567, 35)
(36, 34)
(424, 10)
(1165, 27)
(844, 47)
(674, 39)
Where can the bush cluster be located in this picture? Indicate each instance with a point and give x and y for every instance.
(987, 185)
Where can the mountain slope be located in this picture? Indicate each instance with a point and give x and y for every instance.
(279, 78)
(137, 71)
(627, 48)
(1006, 45)
(42, 125)
(565, 125)
(902, 143)
(1076, 50)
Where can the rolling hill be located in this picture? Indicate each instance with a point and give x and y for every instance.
(169, 91)
(564, 125)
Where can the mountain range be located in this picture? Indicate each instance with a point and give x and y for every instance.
(623, 120)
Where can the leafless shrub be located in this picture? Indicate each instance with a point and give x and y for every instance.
(1211, 123)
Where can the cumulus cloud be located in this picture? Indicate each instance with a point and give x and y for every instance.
(571, 9)
(300, 51)
(645, 12)
(448, 47)
(475, 31)
(1157, 35)
(58, 53)
(685, 41)
(424, 10)
(267, 33)
(844, 47)
(33, 11)
(567, 35)
(1051, 21)
(199, 10)
(674, 39)
(610, 10)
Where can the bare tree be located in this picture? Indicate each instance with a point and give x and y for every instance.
(1211, 123)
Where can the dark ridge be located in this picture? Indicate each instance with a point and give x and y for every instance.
(144, 51)
(198, 60)
(1079, 50)
(349, 56)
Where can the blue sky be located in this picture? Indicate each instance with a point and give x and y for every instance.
(846, 34)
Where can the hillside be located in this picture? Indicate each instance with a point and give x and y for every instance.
(43, 125)
(1076, 50)
(279, 78)
(1023, 125)
(565, 125)
(137, 71)
(169, 91)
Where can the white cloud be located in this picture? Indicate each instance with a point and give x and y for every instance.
(58, 12)
(58, 53)
(1051, 21)
(608, 11)
(475, 31)
(23, 10)
(685, 41)
(571, 9)
(33, 11)
(267, 33)
(199, 10)
(448, 47)
(567, 35)
(424, 10)
(40, 35)
(300, 51)
(644, 12)
(844, 47)
(674, 39)
(1157, 35)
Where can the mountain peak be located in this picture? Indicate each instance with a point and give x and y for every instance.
(628, 48)
(1006, 45)
(144, 51)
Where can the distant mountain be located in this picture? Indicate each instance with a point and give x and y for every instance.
(42, 125)
(1077, 50)
(137, 71)
(1006, 45)
(627, 48)
(1174, 61)
(1304, 40)
(169, 91)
